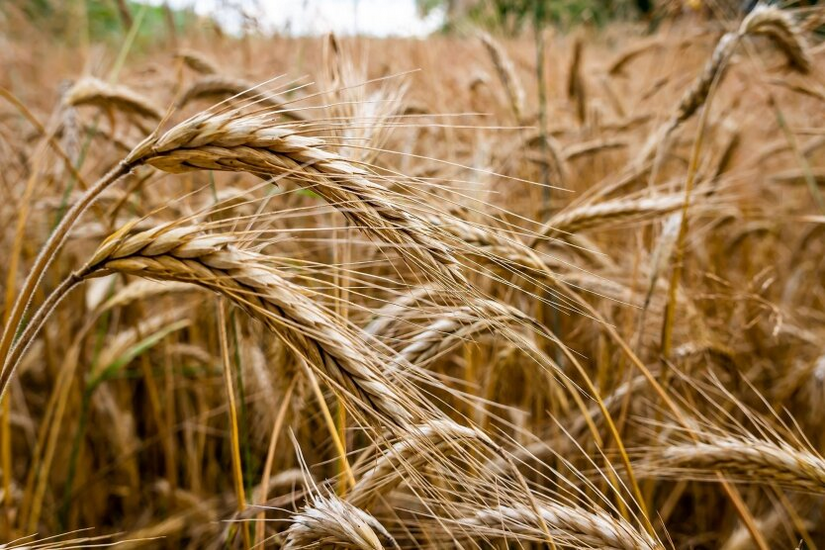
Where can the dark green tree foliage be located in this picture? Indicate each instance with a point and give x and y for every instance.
(512, 16)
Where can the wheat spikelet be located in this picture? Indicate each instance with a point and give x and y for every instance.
(219, 87)
(506, 74)
(183, 254)
(254, 144)
(92, 91)
(411, 454)
(197, 62)
(329, 522)
(569, 525)
(746, 459)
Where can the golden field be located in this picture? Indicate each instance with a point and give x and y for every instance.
(563, 290)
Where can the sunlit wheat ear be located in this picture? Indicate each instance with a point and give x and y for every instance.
(506, 74)
(220, 87)
(329, 522)
(255, 144)
(743, 459)
(92, 91)
(197, 61)
(184, 254)
(569, 526)
(411, 454)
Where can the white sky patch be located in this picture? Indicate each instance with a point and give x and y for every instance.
(313, 17)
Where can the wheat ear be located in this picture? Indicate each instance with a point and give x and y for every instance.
(219, 87)
(506, 74)
(569, 525)
(93, 91)
(329, 522)
(254, 144)
(752, 460)
(184, 254)
(197, 62)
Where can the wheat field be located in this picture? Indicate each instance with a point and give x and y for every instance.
(558, 290)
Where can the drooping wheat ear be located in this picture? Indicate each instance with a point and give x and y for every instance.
(93, 91)
(770, 21)
(393, 312)
(458, 325)
(329, 522)
(410, 455)
(609, 212)
(184, 254)
(197, 61)
(219, 87)
(781, 28)
(255, 144)
(568, 525)
(506, 74)
(747, 459)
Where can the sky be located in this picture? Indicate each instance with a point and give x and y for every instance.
(344, 17)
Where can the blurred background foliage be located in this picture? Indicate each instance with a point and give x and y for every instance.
(102, 20)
